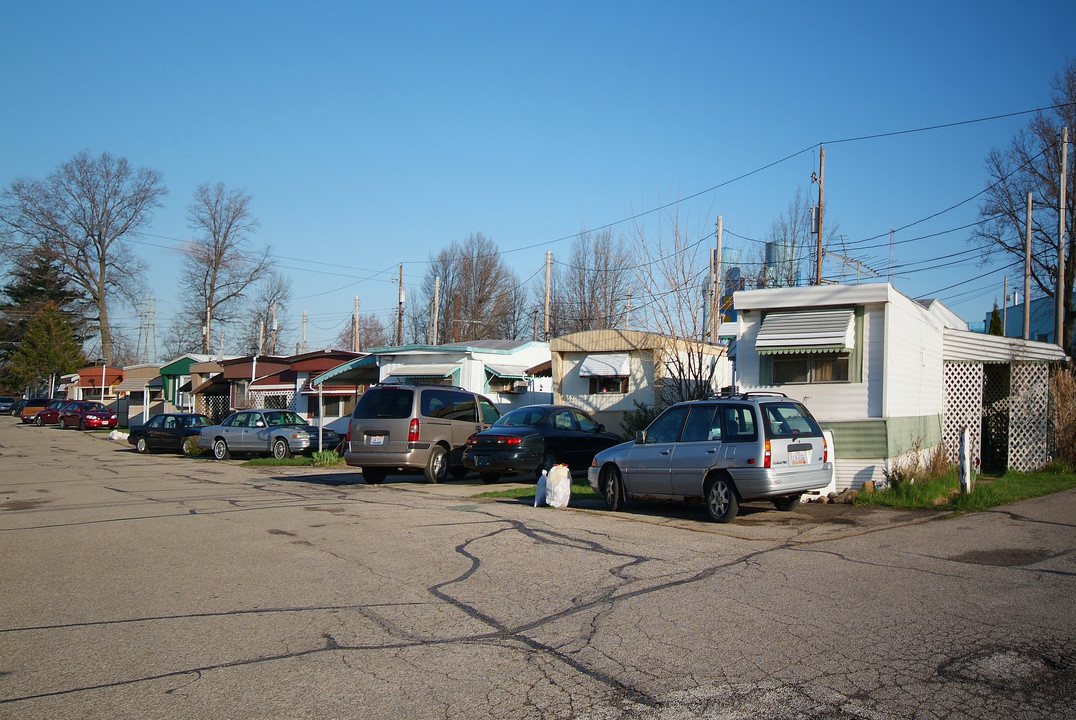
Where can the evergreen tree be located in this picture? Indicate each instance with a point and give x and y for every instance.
(48, 349)
(995, 321)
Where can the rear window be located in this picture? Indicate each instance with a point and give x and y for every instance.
(789, 420)
(384, 403)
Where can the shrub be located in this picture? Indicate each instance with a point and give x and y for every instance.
(327, 458)
(1063, 403)
(639, 418)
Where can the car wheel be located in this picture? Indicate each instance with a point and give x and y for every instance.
(220, 449)
(38, 421)
(81, 424)
(140, 445)
(436, 465)
(613, 489)
(374, 475)
(721, 499)
(187, 446)
(63, 423)
(281, 449)
(549, 459)
(488, 478)
(784, 504)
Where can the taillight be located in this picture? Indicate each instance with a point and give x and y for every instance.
(825, 450)
(472, 440)
(509, 439)
(766, 457)
(412, 432)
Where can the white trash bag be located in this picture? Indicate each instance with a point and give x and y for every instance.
(558, 486)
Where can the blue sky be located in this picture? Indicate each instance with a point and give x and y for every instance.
(374, 134)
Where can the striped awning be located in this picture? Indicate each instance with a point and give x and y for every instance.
(508, 372)
(605, 365)
(424, 371)
(807, 331)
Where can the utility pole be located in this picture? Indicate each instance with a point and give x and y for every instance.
(821, 182)
(261, 337)
(548, 266)
(436, 308)
(303, 335)
(1027, 271)
(1059, 299)
(272, 334)
(399, 312)
(715, 287)
(355, 327)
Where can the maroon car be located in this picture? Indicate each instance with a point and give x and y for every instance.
(86, 414)
(50, 414)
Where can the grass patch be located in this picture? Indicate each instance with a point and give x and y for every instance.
(943, 493)
(293, 461)
(580, 491)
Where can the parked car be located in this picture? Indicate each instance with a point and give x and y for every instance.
(415, 429)
(6, 403)
(47, 415)
(85, 414)
(533, 439)
(16, 409)
(725, 450)
(280, 433)
(169, 431)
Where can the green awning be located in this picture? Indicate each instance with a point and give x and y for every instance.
(807, 331)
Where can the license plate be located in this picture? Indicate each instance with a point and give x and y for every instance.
(481, 460)
(377, 439)
(799, 457)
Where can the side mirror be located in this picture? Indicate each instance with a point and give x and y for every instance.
(600, 428)
(640, 436)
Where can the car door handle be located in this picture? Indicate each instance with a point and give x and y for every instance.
(711, 451)
(666, 452)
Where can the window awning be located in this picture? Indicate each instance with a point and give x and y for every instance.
(424, 371)
(134, 385)
(807, 331)
(508, 372)
(605, 365)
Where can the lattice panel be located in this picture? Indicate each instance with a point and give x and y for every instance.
(996, 403)
(214, 407)
(963, 406)
(1028, 417)
(274, 400)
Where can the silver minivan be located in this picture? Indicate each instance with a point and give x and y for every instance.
(415, 428)
(725, 450)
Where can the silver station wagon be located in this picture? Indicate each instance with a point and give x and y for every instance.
(725, 450)
(280, 433)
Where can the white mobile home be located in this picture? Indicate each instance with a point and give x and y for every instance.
(888, 375)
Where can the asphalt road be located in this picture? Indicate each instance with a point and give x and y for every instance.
(163, 587)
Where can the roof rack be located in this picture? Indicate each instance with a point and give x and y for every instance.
(728, 393)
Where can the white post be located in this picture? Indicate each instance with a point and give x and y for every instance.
(967, 472)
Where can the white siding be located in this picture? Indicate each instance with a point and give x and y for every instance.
(914, 382)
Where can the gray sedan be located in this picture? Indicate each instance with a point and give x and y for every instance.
(280, 433)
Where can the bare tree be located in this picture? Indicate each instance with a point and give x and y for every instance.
(79, 217)
(786, 258)
(266, 324)
(1032, 163)
(218, 267)
(372, 334)
(476, 294)
(589, 290)
(670, 271)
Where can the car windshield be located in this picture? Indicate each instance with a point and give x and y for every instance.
(93, 407)
(523, 417)
(283, 417)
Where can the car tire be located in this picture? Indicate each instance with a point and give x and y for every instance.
(374, 475)
(721, 500)
(549, 459)
(281, 449)
(185, 447)
(613, 488)
(489, 478)
(63, 423)
(38, 421)
(220, 449)
(436, 465)
(140, 445)
(786, 503)
(81, 424)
